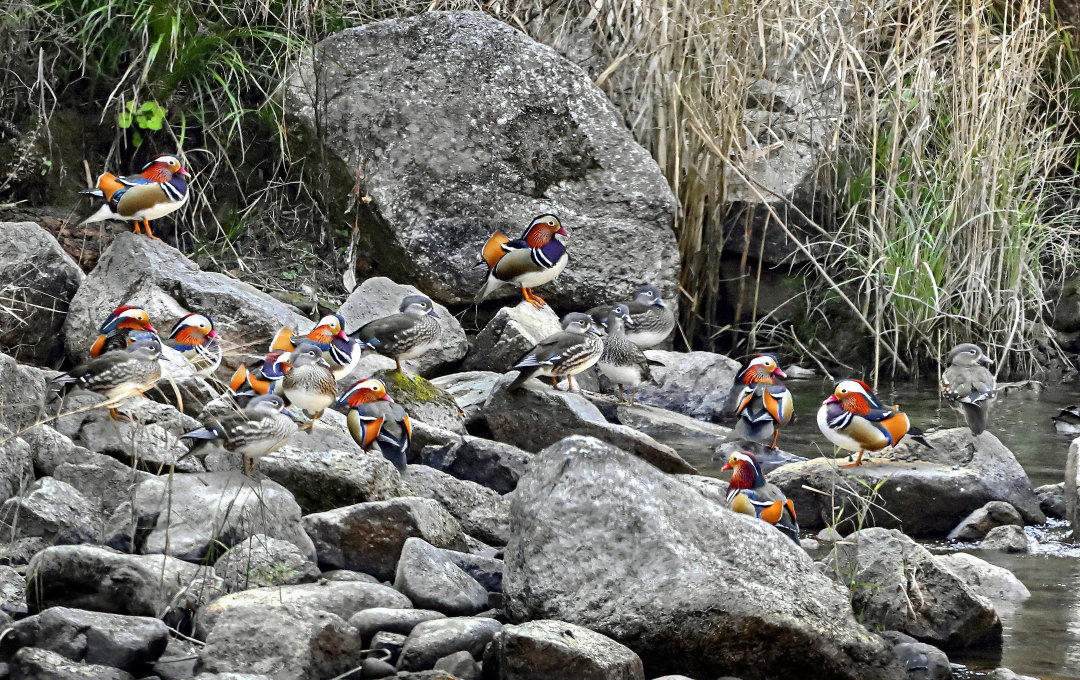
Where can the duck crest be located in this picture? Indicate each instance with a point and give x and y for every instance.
(855, 403)
(157, 172)
(747, 475)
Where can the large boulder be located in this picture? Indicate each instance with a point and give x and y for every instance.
(896, 584)
(378, 297)
(16, 464)
(509, 335)
(498, 129)
(432, 581)
(104, 481)
(55, 511)
(496, 465)
(597, 533)
(538, 650)
(697, 384)
(995, 583)
(482, 512)
(1072, 487)
(925, 491)
(423, 400)
(262, 560)
(22, 394)
(38, 280)
(430, 641)
(32, 663)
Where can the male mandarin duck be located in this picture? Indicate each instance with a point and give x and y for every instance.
(194, 337)
(749, 494)
(764, 404)
(968, 385)
(409, 334)
(340, 351)
(375, 419)
(564, 354)
(117, 373)
(855, 420)
(260, 428)
(530, 261)
(622, 361)
(113, 333)
(653, 320)
(309, 383)
(262, 376)
(161, 188)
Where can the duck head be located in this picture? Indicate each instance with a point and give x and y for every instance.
(542, 229)
(364, 392)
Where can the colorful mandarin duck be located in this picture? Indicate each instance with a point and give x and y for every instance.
(653, 319)
(261, 427)
(764, 405)
(160, 189)
(855, 420)
(262, 376)
(339, 350)
(749, 494)
(309, 383)
(622, 361)
(564, 354)
(409, 334)
(530, 261)
(118, 373)
(968, 385)
(194, 337)
(374, 419)
(113, 333)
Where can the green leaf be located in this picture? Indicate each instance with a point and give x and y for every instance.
(136, 138)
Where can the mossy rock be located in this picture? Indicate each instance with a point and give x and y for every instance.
(423, 400)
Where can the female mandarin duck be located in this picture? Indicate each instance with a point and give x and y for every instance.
(622, 361)
(409, 334)
(309, 383)
(749, 494)
(968, 385)
(764, 405)
(374, 419)
(652, 319)
(161, 188)
(113, 333)
(118, 373)
(564, 354)
(530, 261)
(261, 427)
(854, 419)
(194, 337)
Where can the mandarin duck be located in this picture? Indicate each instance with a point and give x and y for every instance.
(748, 493)
(375, 419)
(194, 337)
(309, 383)
(653, 319)
(853, 419)
(764, 404)
(409, 334)
(161, 188)
(622, 361)
(113, 333)
(261, 427)
(968, 385)
(564, 354)
(118, 373)
(530, 261)
(340, 351)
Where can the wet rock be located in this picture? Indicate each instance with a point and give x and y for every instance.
(496, 465)
(423, 400)
(367, 622)
(482, 513)
(31, 663)
(16, 465)
(262, 560)
(596, 530)
(1006, 674)
(509, 335)
(131, 643)
(927, 492)
(665, 425)
(190, 515)
(538, 650)
(432, 581)
(387, 645)
(470, 390)
(524, 418)
(900, 586)
(995, 583)
(135, 270)
(284, 641)
(432, 640)
(923, 661)
(22, 394)
(697, 384)
(12, 590)
(1071, 487)
(1008, 538)
(976, 525)
(54, 511)
(1052, 499)
(534, 135)
(104, 481)
(38, 279)
(368, 537)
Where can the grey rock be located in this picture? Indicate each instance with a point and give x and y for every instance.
(925, 491)
(367, 622)
(487, 570)
(54, 511)
(104, 481)
(379, 296)
(899, 585)
(131, 643)
(496, 465)
(232, 676)
(524, 418)
(38, 280)
(482, 512)
(829, 535)
(341, 598)
(533, 135)
(368, 537)
(177, 662)
(461, 665)
(283, 641)
(262, 560)
(1006, 674)
(22, 394)
(697, 384)
(1052, 499)
(976, 525)
(1071, 487)
(511, 333)
(12, 590)
(31, 663)
(666, 425)
(388, 645)
(995, 583)
(432, 640)
(470, 390)
(538, 650)
(346, 575)
(50, 449)
(1008, 538)
(432, 581)
(21, 550)
(587, 550)
(16, 465)
(423, 400)
(923, 661)
(377, 668)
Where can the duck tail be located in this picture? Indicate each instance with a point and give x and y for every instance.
(487, 289)
(919, 436)
(524, 374)
(975, 415)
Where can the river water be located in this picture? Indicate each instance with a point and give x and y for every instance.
(1042, 634)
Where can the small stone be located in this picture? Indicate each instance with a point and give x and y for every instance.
(461, 665)
(1052, 499)
(12, 591)
(829, 535)
(388, 645)
(376, 668)
(54, 511)
(544, 649)
(367, 622)
(989, 580)
(1009, 538)
(432, 581)
(976, 525)
(923, 661)
(262, 560)
(432, 640)
(31, 663)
